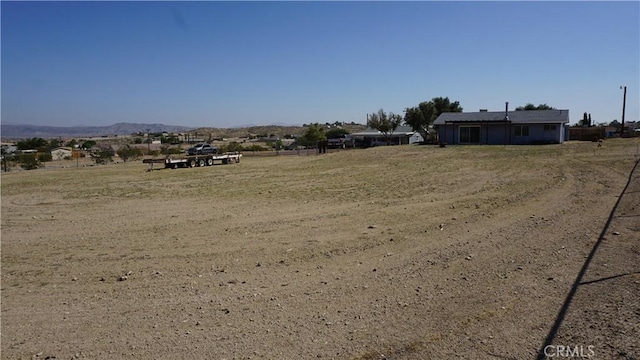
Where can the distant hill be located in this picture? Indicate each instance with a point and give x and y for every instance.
(17, 132)
(10, 131)
(266, 130)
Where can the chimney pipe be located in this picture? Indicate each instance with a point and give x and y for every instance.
(506, 110)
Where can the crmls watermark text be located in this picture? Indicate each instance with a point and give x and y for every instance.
(562, 351)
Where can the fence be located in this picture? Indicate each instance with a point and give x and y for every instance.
(301, 152)
(587, 134)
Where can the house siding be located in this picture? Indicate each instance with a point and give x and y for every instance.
(538, 134)
(490, 134)
(503, 134)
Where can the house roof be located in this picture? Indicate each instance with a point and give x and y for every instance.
(400, 130)
(518, 117)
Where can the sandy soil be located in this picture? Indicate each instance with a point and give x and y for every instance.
(392, 252)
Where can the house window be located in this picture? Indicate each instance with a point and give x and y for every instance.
(469, 134)
(522, 130)
(549, 127)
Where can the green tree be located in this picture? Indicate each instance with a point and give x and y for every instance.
(385, 123)
(88, 144)
(71, 143)
(278, 145)
(54, 143)
(312, 135)
(336, 132)
(33, 143)
(443, 104)
(530, 106)
(586, 120)
(127, 153)
(103, 157)
(232, 147)
(28, 161)
(421, 117)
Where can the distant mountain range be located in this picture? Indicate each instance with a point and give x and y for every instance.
(11, 131)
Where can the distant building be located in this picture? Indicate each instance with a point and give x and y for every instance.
(504, 127)
(400, 136)
(61, 153)
(9, 148)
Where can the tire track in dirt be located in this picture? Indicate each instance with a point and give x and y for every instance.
(517, 285)
(600, 317)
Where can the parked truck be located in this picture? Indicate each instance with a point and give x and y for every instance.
(189, 161)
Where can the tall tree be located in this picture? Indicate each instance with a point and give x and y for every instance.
(586, 120)
(336, 132)
(443, 105)
(530, 106)
(414, 117)
(33, 143)
(314, 134)
(422, 116)
(385, 123)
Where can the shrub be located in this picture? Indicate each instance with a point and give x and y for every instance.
(128, 153)
(28, 161)
(256, 147)
(235, 146)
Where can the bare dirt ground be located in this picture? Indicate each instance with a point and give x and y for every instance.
(393, 252)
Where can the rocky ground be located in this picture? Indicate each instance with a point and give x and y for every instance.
(409, 252)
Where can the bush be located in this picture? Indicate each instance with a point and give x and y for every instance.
(128, 153)
(88, 144)
(28, 161)
(45, 156)
(256, 147)
(103, 157)
(167, 150)
(235, 146)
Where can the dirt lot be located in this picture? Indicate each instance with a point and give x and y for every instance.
(392, 252)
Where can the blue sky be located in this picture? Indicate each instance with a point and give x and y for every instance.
(225, 64)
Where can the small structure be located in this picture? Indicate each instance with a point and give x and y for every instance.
(61, 153)
(401, 136)
(503, 127)
(9, 147)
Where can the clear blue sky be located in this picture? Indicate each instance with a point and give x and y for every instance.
(224, 64)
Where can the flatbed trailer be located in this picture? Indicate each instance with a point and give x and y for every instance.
(190, 161)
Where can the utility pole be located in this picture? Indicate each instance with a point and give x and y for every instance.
(624, 103)
(148, 142)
